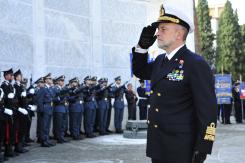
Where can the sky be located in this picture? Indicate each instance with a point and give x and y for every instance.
(236, 4)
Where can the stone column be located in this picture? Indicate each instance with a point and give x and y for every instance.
(38, 39)
(96, 38)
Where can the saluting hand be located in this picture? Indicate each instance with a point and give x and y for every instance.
(147, 37)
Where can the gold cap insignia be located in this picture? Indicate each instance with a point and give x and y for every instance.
(210, 132)
(162, 11)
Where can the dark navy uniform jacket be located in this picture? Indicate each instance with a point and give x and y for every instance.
(39, 103)
(45, 97)
(102, 97)
(182, 114)
(89, 97)
(76, 101)
(60, 102)
(118, 95)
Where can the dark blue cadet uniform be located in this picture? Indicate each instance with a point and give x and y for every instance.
(119, 92)
(45, 97)
(90, 106)
(59, 114)
(103, 106)
(76, 110)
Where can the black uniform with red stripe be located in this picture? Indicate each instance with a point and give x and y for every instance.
(2, 121)
(9, 121)
(21, 119)
(182, 116)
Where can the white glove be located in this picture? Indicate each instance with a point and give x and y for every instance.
(2, 93)
(11, 95)
(33, 107)
(23, 94)
(23, 111)
(32, 91)
(8, 111)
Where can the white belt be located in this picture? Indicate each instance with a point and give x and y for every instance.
(142, 98)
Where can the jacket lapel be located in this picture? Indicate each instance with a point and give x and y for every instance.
(162, 68)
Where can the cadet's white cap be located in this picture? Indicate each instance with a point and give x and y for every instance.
(172, 14)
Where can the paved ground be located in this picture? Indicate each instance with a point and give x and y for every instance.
(228, 148)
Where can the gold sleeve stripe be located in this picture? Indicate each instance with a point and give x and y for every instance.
(210, 132)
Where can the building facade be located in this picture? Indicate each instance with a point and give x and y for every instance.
(74, 38)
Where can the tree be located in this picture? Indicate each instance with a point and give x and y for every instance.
(206, 37)
(242, 56)
(228, 42)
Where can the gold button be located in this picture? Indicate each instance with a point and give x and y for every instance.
(151, 91)
(155, 126)
(157, 110)
(158, 94)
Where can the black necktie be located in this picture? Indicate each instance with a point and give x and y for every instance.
(166, 59)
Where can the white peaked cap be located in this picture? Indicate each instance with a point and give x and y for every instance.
(174, 14)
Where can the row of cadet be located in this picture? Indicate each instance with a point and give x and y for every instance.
(237, 106)
(67, 105)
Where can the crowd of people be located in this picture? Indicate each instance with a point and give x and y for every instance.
(68, 106)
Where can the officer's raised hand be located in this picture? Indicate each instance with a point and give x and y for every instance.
(147, 37)
(198, 157)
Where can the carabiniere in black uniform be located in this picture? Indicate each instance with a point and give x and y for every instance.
(21, 120)
(10, 103)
